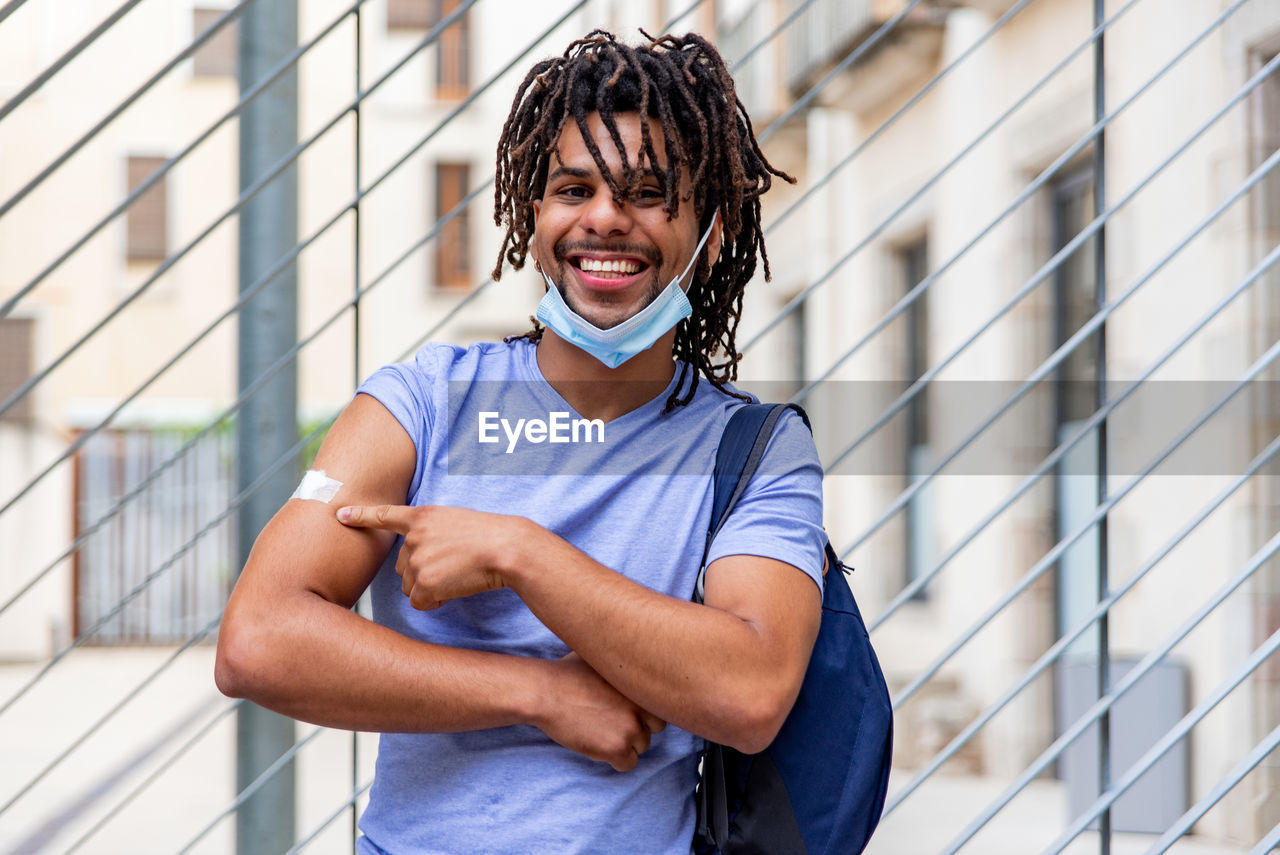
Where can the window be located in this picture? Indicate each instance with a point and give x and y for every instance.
(453, 76)
(216, 57)
(16, 365)
(160, 533)
(453, 241)
(145, 219)
(913, 261)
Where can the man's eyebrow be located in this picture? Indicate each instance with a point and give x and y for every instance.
(570, 172)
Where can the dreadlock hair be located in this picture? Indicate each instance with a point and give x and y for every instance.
(683, 83)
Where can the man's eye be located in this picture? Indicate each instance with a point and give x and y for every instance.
(573, 192)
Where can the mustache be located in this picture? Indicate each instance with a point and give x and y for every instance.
(564, 249)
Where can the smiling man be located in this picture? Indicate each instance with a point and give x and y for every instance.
(542, 680)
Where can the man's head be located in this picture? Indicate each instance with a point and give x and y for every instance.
(661, 133)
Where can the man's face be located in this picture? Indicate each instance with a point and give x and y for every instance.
(609, 261)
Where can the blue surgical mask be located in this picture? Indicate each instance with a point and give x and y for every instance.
(636, 334)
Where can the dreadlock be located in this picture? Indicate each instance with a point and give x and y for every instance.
(683, 82)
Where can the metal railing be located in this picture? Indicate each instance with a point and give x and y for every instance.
(784, 27)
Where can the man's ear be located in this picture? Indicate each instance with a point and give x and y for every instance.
(714, 241)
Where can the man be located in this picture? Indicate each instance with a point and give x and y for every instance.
(541, 677)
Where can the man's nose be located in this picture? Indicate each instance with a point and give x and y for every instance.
(605, 217)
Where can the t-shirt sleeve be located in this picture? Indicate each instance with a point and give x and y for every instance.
(404, 389)
(779, 515)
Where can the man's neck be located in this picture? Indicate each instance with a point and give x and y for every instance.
(596, 391)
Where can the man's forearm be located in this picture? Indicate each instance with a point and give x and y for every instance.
(720, 675)
(319, 662)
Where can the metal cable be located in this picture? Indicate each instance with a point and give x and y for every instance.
(903, 110)
(1105, 703)
(1039, 568)
(235, 406)
(9, 8)
(1052, 363)
(1081, 432)
(266, 178)
(1040, 180)
(110, 714)
(285, 358)
(283, 263)
(1058, 258)
(1051, 655)
(855, 55)
(257, 784)
(786, 22)
(1224, 786)
(182, 55)
(61, 62)
(226, 512)
(258, 88)
(155, 774)
(666, 28)
(245, 196)
(1268, 844)
(306, 841)
(1170, 739)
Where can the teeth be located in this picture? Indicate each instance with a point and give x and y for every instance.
(591, 265)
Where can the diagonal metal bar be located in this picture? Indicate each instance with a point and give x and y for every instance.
(182, 55)
(71, 53)
(276, 367)
(342, 808)
(1103, 606)
(235, 406)
(1053, 361)
(281, 165)
(287, 63)
(1026, 193)
(1106, 702)
(853, 56)
(146, 782)
(284, 261)
(9, 8)
(1268, 844)
(249, 192)
(680, 16)
(1060, 256)
(1234, 777)
(1099, 513)
(1080, 433)
(110, 714)
(257, 784)
(924, 90)
(232, 506)
(137, 590)
(772, 34)
(1170, 739)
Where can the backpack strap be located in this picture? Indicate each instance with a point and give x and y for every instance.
(741, 449)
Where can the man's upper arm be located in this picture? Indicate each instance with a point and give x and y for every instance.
(766, 562)
(304, 546)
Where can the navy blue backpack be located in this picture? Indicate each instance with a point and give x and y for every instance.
(819, 788)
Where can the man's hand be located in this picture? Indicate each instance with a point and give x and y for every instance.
(585, 714)
(447, 552)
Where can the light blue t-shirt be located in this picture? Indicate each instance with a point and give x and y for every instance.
(635, 495)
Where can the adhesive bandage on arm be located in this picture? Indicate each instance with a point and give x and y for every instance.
(317, 486)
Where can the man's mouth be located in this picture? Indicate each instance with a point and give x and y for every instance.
(612, 268)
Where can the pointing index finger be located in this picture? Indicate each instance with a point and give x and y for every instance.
(387, 517)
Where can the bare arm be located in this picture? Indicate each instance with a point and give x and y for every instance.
(728, 670)
(290, 642)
